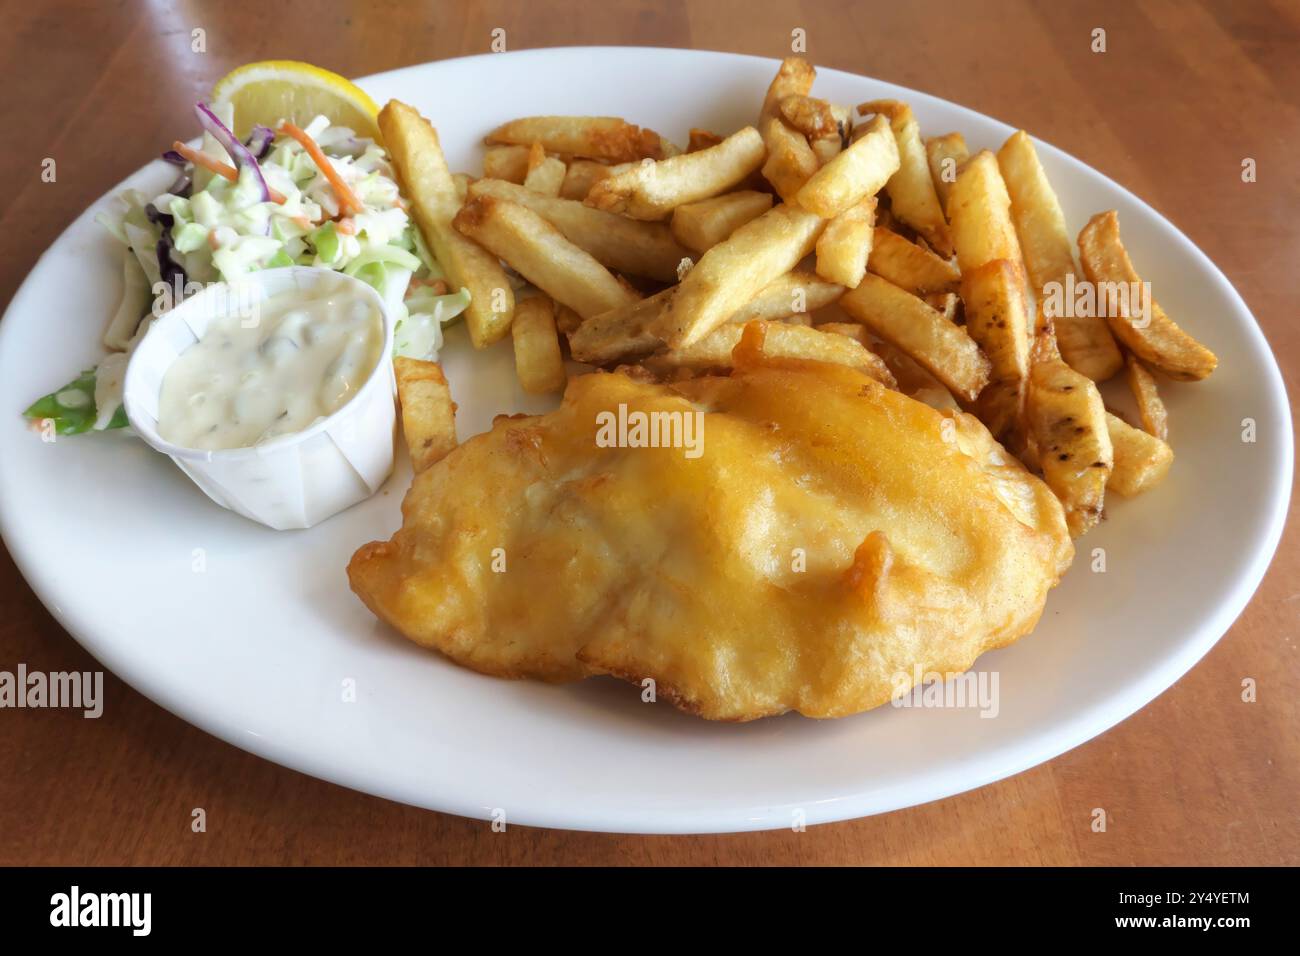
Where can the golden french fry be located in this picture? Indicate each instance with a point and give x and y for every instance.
(979, 214)
(793, 78)
(621, 334)
(912, 196)
(1068, 421)
(606, 138)
(1084, 340)
(545, 173)
(853, 330)
(1155, 420)
(428, 413)
(779, 341)
(910, 266)
(699, 226)
(416, 153)
(900, 318)
(845, 245)
(506, 162)
(913, 380)
(538, 361)
(1154, 338)
(624, 245)
(997, 317)
(856, 173)
(790, 161)
(815, 118)
(652, 190)
(945, 303)
(701, 139)
(1141, 461)
(566, 320)
(797, 293)
(732, 272)
(540, 253)
(1035, 212)
(825, 150)
(945, 155)
(580, 176)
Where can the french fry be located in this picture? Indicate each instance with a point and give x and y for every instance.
(701, 139)
(853, 330)
(790, 161)
(793, 78)
(912, 195)
(428, 413)
(1141, 461)
(699, 226)
(607, 138)
(506, 162)
(845, 245)
(945, 303)
(1155, 420)
(900, 318)
(797, 293)
(652, 190)
(913, 380)
(732, 272)
(624, 245)
(910, 266)
(538, 361)
(566, 320)
(580, 176)
(416, 153)
(779, 341)
(621, 334)
(858, 172)
(826, 149)
(1156, 339)
(540, 253)
(997, 317)
(1084, 340)
(815, 118)
(945, 155)
(979, 215)
(1068, 421)
(545, 173)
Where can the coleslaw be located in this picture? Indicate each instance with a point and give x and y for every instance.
(318, 196)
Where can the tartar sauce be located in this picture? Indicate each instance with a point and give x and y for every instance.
(256, 376)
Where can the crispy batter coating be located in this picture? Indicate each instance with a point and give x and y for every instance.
(829, 536)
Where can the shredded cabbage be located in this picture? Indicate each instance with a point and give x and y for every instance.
(222, 230)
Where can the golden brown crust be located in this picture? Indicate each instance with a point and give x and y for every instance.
(730, 577)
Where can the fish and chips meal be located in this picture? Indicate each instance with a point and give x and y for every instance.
(831, 386)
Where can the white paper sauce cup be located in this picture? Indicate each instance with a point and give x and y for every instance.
(293, 481)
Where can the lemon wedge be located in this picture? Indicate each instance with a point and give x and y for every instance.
(273, 90)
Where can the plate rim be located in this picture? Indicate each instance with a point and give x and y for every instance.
(1003, 761)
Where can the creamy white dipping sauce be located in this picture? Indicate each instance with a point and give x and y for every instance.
(251, 378)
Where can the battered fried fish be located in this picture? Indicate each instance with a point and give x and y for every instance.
(830, 536)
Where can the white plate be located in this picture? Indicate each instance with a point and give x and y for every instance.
(255, 647)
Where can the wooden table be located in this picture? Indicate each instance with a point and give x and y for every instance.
(1184, 92)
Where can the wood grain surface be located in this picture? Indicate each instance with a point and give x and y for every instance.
(1184, 92)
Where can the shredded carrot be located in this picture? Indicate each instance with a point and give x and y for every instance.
(439, 285)
(217, 166)
(346, 227)
(348, 201)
